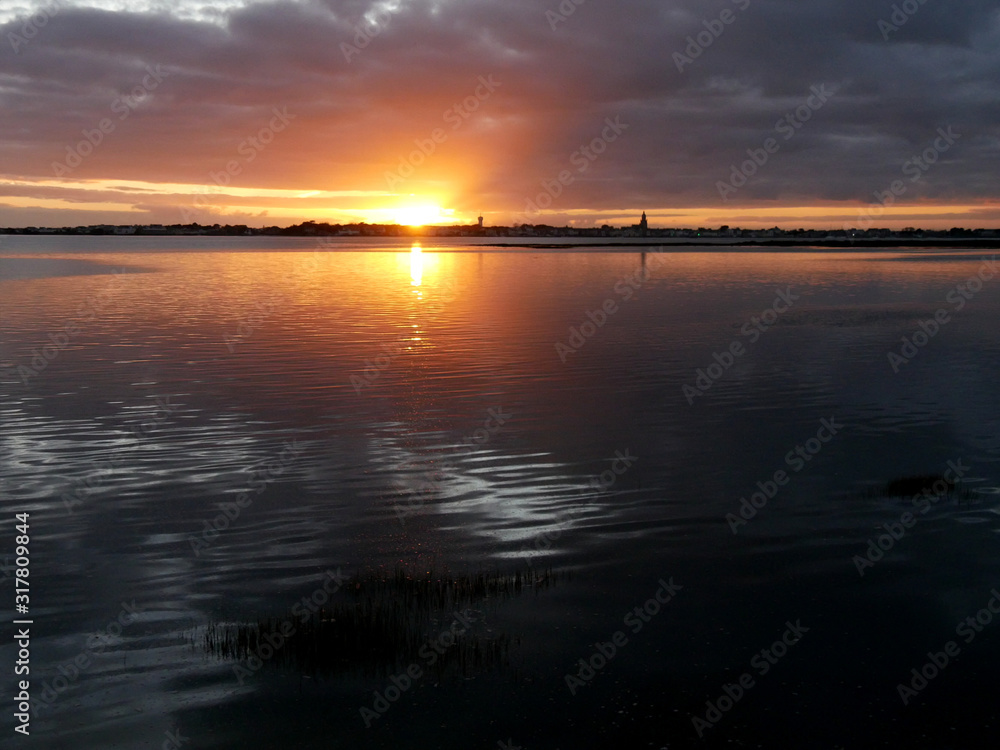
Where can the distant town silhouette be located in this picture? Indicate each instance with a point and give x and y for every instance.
(723, 235)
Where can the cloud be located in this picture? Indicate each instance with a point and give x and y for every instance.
(229, 66)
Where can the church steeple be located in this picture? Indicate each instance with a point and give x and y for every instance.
(643, 226)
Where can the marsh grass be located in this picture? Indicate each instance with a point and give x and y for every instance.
(381, 622)
(907, 488)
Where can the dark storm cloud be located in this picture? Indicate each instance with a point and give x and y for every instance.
(355, 119)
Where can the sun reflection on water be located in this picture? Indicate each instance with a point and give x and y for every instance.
(416, 266)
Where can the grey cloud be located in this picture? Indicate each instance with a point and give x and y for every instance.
(355, 119)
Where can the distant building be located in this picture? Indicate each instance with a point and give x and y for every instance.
(480, 222)
(637, 230)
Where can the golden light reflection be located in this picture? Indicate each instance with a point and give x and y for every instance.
(421, 264)
(416, 265)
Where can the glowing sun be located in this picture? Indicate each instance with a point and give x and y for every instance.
(419, 215)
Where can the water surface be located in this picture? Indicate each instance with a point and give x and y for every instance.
(208, 432)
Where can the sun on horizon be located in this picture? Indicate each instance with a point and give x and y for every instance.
(421, 215)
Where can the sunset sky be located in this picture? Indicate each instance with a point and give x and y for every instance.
(173, 111)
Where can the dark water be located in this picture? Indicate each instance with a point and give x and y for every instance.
(393, 435)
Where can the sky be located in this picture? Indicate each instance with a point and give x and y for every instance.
(752, 113)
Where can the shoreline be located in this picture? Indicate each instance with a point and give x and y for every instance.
(860, 245)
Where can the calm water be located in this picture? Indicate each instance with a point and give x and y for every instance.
(400, 410)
